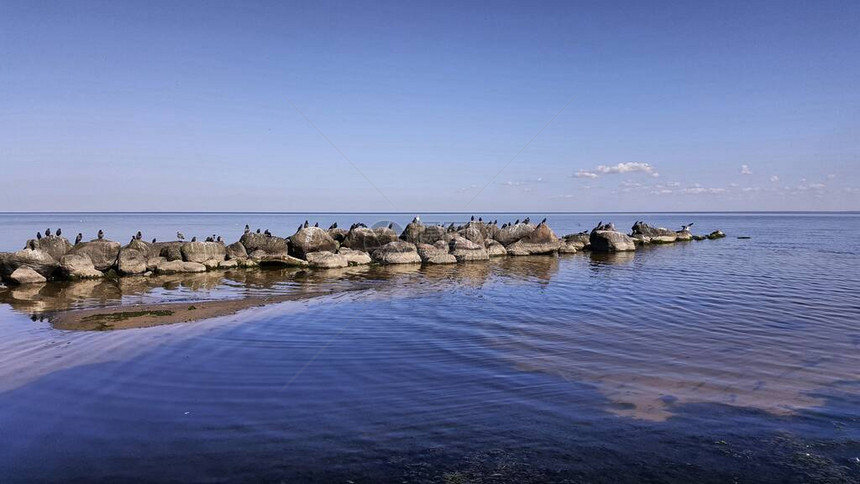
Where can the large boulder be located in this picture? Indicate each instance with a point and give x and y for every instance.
(397, 252)
(355, 257)
(102, 252)
(418, 233)
(326, 260)
(78, 266)
(283, 260)
(269, 244)
(236, 251)
(495, 249)
(603, 240)
(179, 267)
(464, 250)
(132, 258)
(646, 234)
(368, 240)
(311, 239)
(35, 259)
(433, 254)
(338, 234)
(169, 250)
(472, 232)
(26, 275)
(573, 243)
(203, 251)
(53, 245)
(684, 235)
(513, 233)
(542, 240)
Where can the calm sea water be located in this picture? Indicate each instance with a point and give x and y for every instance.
(713, 361)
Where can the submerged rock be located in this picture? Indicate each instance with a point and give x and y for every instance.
(326, 260)
(397, 252)
(26, 275)
(311, 239)
(264, 259)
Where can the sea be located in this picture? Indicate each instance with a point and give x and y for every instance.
(729, 360)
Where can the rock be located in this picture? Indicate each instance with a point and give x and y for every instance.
(513, 233)
(471, 232)
(700, 237)
(228, 264)
(203, 251)
(495, 249)
(247, 263)
(464, 250)
(542, 240)
(326, 260)
(153, 262)
(716, 234)
(38, 260)
(311, 239)
(169, 250)
(355, 257)
(646, 234)
(26, 275)
(103, 253)
(684, 235)
(573, 243)
(178, 267)
(368, 240)
(53, 245)
(132, 260)
(271, 245)
(397, 252)
(338, 234)
(212, 264)
(430, 254)
(284, 260)
(610, 241)
(236, 251)
(78, 266)
(418, 233)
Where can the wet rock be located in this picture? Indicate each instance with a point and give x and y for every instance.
(78, 266)
(397, 252)
(684, 235)
(700, 237)
(355, 257)
(495, 249)
(602, 240)
(236, 251)
(265, 259)
(169, 250)
(271, 245)
(26, 275)
(542, 240)
(716, 234)
(203, 251)
(132, 259)
(152, 263)
(179, 267)
(311, 239)
(464, 250)
(35, 259)
(326, 260)
(228, 264)
(513, 233)
(103, 253)
(368, 240)
(212, 264)
(431, 254)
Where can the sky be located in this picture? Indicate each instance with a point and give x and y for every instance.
(429, 106)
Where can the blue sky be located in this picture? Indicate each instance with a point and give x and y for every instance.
(429, 106)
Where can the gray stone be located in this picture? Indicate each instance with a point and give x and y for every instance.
(236, 251)
(355, 257)
(178, 267)
(284, 260)
(716, 234)
(326, 260)
(464, 250)
(311, 239)
(539, 241)
(431, 254)
(513, 233)
(38, 260)
(271, 245)
(203, 251)
(26, 275)
(610, 241)
(103, 253)
(397, 252)
(53, 245)
(368, 240)
(495, 249)
(78, 266)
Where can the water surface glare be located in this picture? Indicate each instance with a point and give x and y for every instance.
(702, 361)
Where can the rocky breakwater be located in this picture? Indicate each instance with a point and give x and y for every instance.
(53, 257)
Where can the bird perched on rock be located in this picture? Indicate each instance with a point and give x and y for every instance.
(333, 226)
(300, 227)
(416, 219)
(218, 239)
(517, 222)
(47, 232)
(543, 221)
(138, 235)
(480, 219)
(267, 233)
(79, 238)
(209, 239)
(307, 224)
(153, 240)
(39, 235)
(101, 234)
(316, 224)
(32, 245)
(472, 219)
(133, 238)
(258, 231)
(391, 225)
(247, 228)
(194, 239)
(59, 232)
(527, 220)
(180, 236)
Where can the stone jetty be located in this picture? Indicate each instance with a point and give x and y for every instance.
(53, 257)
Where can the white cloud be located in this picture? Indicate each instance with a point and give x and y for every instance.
(745, 170)
(629, 167)
(585, 174)
(564, 197)
(696, 190)
(774, 179)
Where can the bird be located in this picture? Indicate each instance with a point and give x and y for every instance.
(300, 228)
(133, 238)
(333, 226)
(209, 239)
(180, 236)
(258, 231)
(194, 239)
(472, 219)
(684, 228)
(527, 220)
(59, 232)
(416, 219)
(543, 221)
(153, 240)
(138, 235)
(79, 238)
(317, 224)
(218, 239)
(391, 225)
(306, 224)
(600, 224)
(39, 235)
(32, 245)
(247, 228)
(480, 219)
(517, 222)
(101, 234)
(47, 232)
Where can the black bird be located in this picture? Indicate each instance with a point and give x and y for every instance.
(133, 238)
(79, 238)
(391, 225)
(181, 236)
(473, 218)
(101, 234)
(317, 224)
(218, 239)
(333, 226)
(39, 235)
(527, 220)
(153, 240)
(300, 227)
(307, 224)
(47, 232)
(258, 231)
(138, 235)
(416, 219)
(599, 224)
(480, 219)
(194, 239)
(32, 245)
(517, 222)
(59, 232)
(209, 239)
(543, 221)
(267, 233)
(247, 228)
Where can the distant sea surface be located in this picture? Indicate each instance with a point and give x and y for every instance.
(713, 361)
